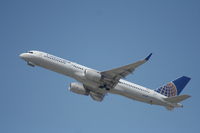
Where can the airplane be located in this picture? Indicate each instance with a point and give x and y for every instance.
(97, 84)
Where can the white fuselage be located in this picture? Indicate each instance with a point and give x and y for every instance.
(76, 71)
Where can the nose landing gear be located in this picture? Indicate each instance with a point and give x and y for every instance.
(30, 64)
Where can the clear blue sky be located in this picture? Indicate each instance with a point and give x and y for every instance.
(100, 34)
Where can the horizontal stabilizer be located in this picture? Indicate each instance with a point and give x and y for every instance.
(177, 99)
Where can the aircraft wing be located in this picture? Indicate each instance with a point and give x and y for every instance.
(111, 77)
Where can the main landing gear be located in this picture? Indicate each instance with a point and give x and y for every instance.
(104, 87)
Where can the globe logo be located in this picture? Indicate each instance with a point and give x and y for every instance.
(168, 90)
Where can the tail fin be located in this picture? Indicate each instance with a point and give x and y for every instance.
(173, 88)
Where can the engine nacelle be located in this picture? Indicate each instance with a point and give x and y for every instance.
(92, 75)
(78, 88)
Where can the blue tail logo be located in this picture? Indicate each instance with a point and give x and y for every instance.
(173, 88)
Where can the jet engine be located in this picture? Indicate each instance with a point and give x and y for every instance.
(92, 75)
(78, 88)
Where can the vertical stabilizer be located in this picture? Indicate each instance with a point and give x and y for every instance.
(173, 88)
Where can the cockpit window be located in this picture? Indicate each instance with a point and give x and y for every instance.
(30, 52)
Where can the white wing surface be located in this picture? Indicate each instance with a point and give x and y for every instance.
(111, 77)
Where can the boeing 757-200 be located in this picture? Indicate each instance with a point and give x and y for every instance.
(98, 83)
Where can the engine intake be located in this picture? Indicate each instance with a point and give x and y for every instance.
(92, 75)
(78, 88)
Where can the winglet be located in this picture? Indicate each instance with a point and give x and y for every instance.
(148, 57)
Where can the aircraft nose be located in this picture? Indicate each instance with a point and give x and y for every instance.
(23, 56)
